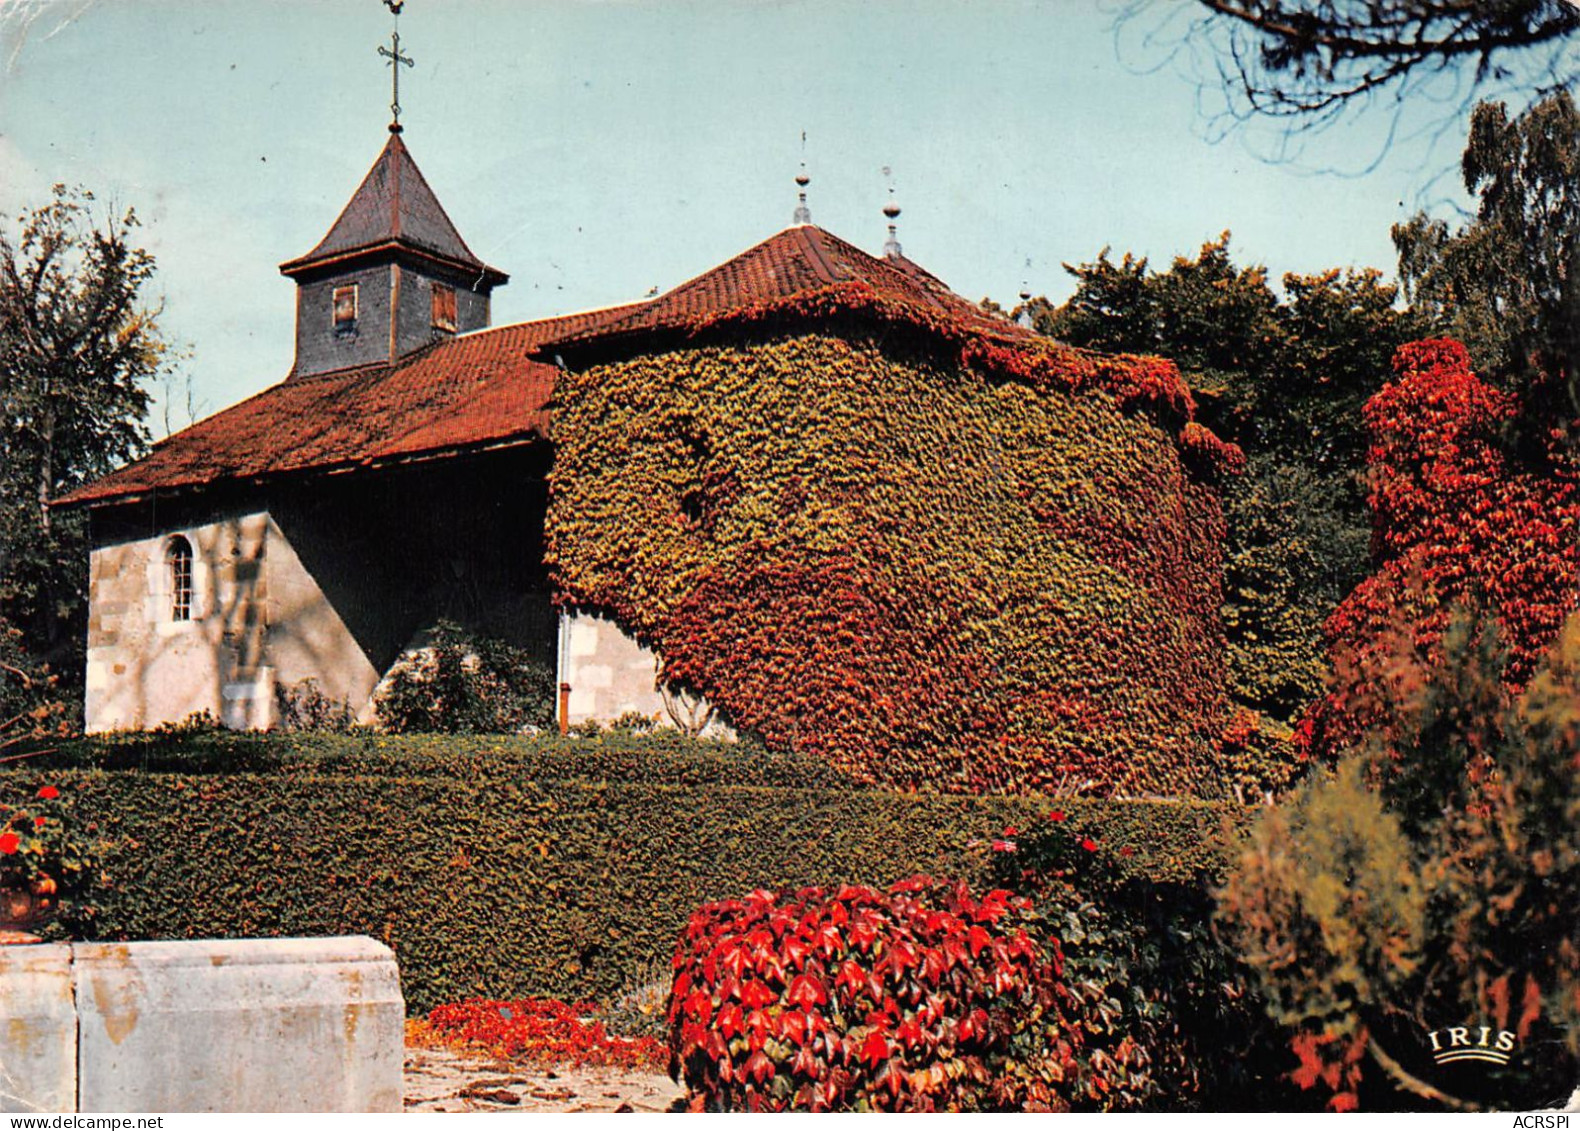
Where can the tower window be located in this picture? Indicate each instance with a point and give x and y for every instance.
(345, 309)
(178, 559)
(443, 307)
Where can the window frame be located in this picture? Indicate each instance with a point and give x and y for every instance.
(344, 328)
(443, 295)
(181, 603)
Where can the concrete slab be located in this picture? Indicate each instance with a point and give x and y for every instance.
(38, 1030)
(239, 1025)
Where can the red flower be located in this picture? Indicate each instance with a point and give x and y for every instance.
(1004, 846)
(1127, 851)
(1011, 831)
(49, 793)
(1089, 844)
(1056, 815)
(9, 843)
(39, 822)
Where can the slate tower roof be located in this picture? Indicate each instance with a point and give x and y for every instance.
(393, 209)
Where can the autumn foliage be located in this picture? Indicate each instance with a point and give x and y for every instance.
(936, 561)
(919, 998)
(541, 1030)
(1455, 521)
(1431, 881)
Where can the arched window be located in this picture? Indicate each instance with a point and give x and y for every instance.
(178, 559)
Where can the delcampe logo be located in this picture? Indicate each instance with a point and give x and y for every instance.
(1466, 1042)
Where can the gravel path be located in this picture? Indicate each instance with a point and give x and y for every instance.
(443, 1080)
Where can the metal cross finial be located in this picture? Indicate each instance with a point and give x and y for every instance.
(392, 53)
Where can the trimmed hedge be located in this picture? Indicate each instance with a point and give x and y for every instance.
(508, 867)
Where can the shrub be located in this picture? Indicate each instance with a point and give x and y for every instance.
(1169, 1020)
(641, 1008)
(465, 684)
(918, 998)
(1257, 757)
(1431, 882)
(304, 706)
(43, 847)
(544, 1031)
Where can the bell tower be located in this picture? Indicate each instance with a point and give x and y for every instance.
(393, 274)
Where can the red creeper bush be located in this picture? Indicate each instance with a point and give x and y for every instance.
(918, 998)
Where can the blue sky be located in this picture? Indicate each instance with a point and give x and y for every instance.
(595, 149)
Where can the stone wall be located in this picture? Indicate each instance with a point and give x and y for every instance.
(330, 582)
(258, 620)
(610, 674)
(217, 1025)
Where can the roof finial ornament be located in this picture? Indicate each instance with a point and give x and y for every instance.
(396, 59)
(1024, 319)
(803, 214)
(891, 246)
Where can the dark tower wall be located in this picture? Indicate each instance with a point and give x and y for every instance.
(390, 290)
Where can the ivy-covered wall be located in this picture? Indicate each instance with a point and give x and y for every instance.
(980, 568)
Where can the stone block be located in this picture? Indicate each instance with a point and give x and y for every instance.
(239, 1025)
(38, 1030)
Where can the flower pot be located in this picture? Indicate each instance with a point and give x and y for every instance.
(27, 905)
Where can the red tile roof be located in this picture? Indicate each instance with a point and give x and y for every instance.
(392, 207)
(492, 387)
(803, 261)
(475, 390)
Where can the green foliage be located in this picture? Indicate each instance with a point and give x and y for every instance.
(1507, 283)
(77, 351)
(511, 867)
(33, 711)
(1285, 380)
(45, 847)
(459, 683)
(1258, 757)
(1430, 882)
(1169, 1020)
(930, 573)
(1294, 552)
(305, 706)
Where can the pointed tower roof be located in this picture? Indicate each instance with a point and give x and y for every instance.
(393, 210)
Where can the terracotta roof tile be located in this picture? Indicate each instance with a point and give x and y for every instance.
(801, 261)
(473, 390)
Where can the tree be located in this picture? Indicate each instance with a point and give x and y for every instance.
(1454, 520)
(1309, 61)
(1430, 883)
(78, 347)
(1507, 283)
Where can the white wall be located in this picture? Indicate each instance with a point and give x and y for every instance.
(259, 620)
(610, 674)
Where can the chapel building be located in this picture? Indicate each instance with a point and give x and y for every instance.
(811, 494)
(397, 476)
